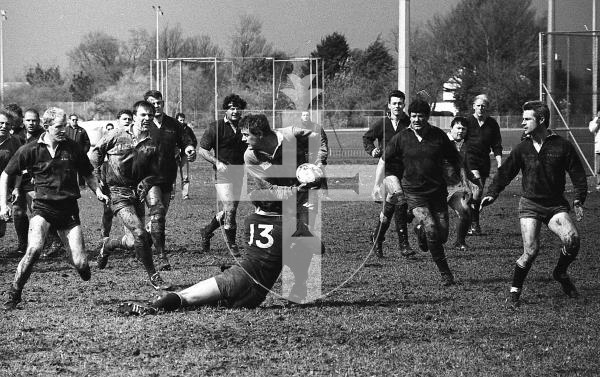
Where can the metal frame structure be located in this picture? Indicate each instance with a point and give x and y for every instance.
(159, 78)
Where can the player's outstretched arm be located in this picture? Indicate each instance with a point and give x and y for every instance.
(4, 209)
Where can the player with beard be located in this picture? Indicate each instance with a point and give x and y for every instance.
(131, 160)
(170, 138)
(414, 166)
(54, 162)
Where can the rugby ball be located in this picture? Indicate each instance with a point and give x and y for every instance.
(309, 173)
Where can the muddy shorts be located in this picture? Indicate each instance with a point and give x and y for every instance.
(246, 285)
(530, 209)
(61, 214)
(121, 197)
(436, 202)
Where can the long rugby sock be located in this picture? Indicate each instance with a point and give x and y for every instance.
(169, 301)
(144, 253)
(212, 226)
(564, 260)
(400, 217)
(113, 243)
(519, 275)
(21, 228)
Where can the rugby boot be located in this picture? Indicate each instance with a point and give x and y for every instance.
(230, 235)
(157, 282)
(514, 299)
(460, 246)
(102, 259)
(163, 262)
(565, 282)
(167, 301)
(85, 273)
(14, 297)
(378, 236)
(447, 279)
(133, 308)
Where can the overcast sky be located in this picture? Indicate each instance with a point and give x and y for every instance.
(43, 31)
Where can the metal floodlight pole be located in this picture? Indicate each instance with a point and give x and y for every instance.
(157, 11)
(550, 55)
(216, 97)
(594, 62)
(2, 19)
(404, 47)
(180, 87)
(273, 89)
(541, 65)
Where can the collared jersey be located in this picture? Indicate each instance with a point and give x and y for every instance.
(55, 177)
(128, 160)
(170, 139)
(480, 141)
(79, 135)
(8, 148)
(420, 164)
(543, 172)
(383, 131)
(226, 142)
(26, 183)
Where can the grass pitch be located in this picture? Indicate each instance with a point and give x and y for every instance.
(391, 318)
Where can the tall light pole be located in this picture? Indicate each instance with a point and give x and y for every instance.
(594, 62)
(2, 19)
(404, 47)
(158, 11)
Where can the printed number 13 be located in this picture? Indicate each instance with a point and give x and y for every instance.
(265, 234)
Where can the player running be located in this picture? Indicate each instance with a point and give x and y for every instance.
(131, 161)
(54, 162)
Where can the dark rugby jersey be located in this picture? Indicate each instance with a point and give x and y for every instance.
(226, 143)
(8, 148)
(26, 183)
(170, 139)
(383, 132)
(544, 172)
(480, 141)
(129, 160)
(263, 237)
(276, 173)
(55, 177)
(79, 135)
(420, 164)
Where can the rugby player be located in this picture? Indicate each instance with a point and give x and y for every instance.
(383, 130)
(170, 138)
(54, 162)
(543, 157)
(483, 136)
(461, 189)
(131, 159)
(9, 144)
(414, 166)
(24, 193)
(182, 162)
(224, 138)
(246, 284)
(124, 119)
